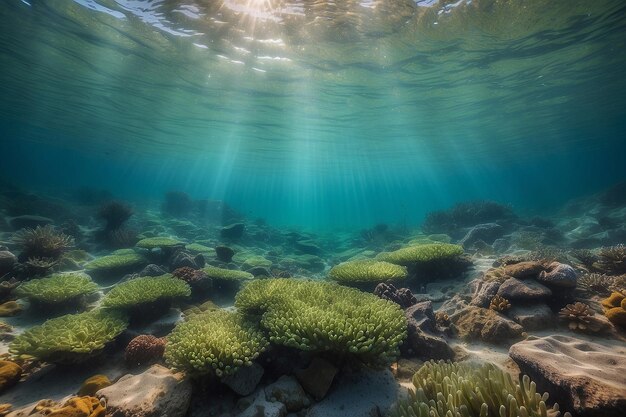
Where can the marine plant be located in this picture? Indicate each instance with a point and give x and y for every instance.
(57, 289)
(580, 317)
(417, 254)
(615, 308)
(70, 338)
(159, 242)
(222, 274)
(214, 342)
(612, 260)
(445, 389)
(499, 304)
(118, 262)
(73, 407)
(595, 284)
(465, 214)
(189, 275)
(42, 242)
(135, 293)
(323, 316)
(366, 271)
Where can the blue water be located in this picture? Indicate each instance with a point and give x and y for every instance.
(316, 115)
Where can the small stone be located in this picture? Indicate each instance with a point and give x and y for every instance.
(317, 378)
(245, 380)
(288, 391)
(260, 407)
(307, 246)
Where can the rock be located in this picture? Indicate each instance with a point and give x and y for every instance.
(486, 325)
(406, 368)
(10, 308)
(288, 391)
(586, 378)
(152, 270)
(487, 232)
(524, 270)
(185, 259)
(423, 338)
(260, 407)
(94, 384)
(307, 246)
(157, 392)
(10, 374)
(245, 380)
(403, 296)
(232, 231)
(224, 253)
(260, 271)
(317, 378)
(21, 222)
(7, 261)
(483, 292)
(533, 317)
(514, 289)
(559, 275)
(363, 393)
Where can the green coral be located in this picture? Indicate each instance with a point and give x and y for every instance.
(366, 270)
(323, 316)
(214, 342)
(70, 338)
(445, 389)
(138, 291)
(226, 274)
(57, 288)
(421, 253)
(158, 242)
(196, 247)
(117, 261)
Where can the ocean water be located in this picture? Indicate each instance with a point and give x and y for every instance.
(316, 198)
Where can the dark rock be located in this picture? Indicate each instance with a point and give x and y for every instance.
(152, 270)
(7, 261)
(524, 270)
(487, 232)
(232, 231)
(475, 323)
(483, 292)
(533, 317)
(423, 338)
(245, 380)
(514, 289)
(224, 253)
(31, 221)
(585, 378)
(260, 271)
(403, 296)
(317, 378)
(183, 258)
(559, 275)
(288, 391)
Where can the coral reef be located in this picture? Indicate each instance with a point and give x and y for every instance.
(159, 243)
(189, 275)
(402, 296)
(457, 389)
(10, 374)
(432, 252)
(117, 263)
(612, 260)
(139, 291)
(366, 271)
(581, 317)
(615, 306)
(70, 338)
(499, 304)
(216, 341)
(222, 274)
(10, 308)
(464, 215)
(42, 242)
(322, 316)
(57, 289)
(595, 284)
(144, 349)
(74, 407)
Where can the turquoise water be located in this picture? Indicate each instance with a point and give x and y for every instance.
(318, 114)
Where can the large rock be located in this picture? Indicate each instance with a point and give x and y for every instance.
(288, 391)
(533, 316)
(486, 232)
(317, 378)
(362, 393)
(157, 392)
(424, 340)
(483, 291)
(559, 275)
(245, 380)
(586, 378)
(7, 260)
(514, 289)
(475, 323)
(524, 270)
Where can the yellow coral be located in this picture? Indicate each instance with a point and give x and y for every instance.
(614, 300)
(74, 407)
(94, 384)
(10, 374)
(10, 308)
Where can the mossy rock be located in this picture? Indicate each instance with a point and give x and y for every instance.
(62, 288)
(159, 242)
(256, 262)
(222, 274)
(198, 248)
(71, 338)
(118, 263)
(431, 252)
(136, 292)
(214, 342)
(325, 317)
(366, 271)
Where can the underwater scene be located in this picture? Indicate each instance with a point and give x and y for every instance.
(313, 208)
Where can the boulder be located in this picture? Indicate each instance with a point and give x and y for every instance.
(10, 374)
(486, 232)
(514, 289)
(288, 391)
(533, 316)
(152, 270)
(362, 393)
(245, 380)
(224, 253)
(157, 392)
(524, 270)
(475, 323)
(185, 259)
(401, 296)
(483, 291)
(317, 378)
(559, 275)
(7, 261)
(424, 340)
(585, 378)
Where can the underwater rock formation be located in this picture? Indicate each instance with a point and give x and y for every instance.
(10, 374)
(424, 340)
(475, 323)
(93, 384)
(224, 253)
(584, 377)
(401, 296)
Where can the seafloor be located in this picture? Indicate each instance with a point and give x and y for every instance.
(188, 308)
